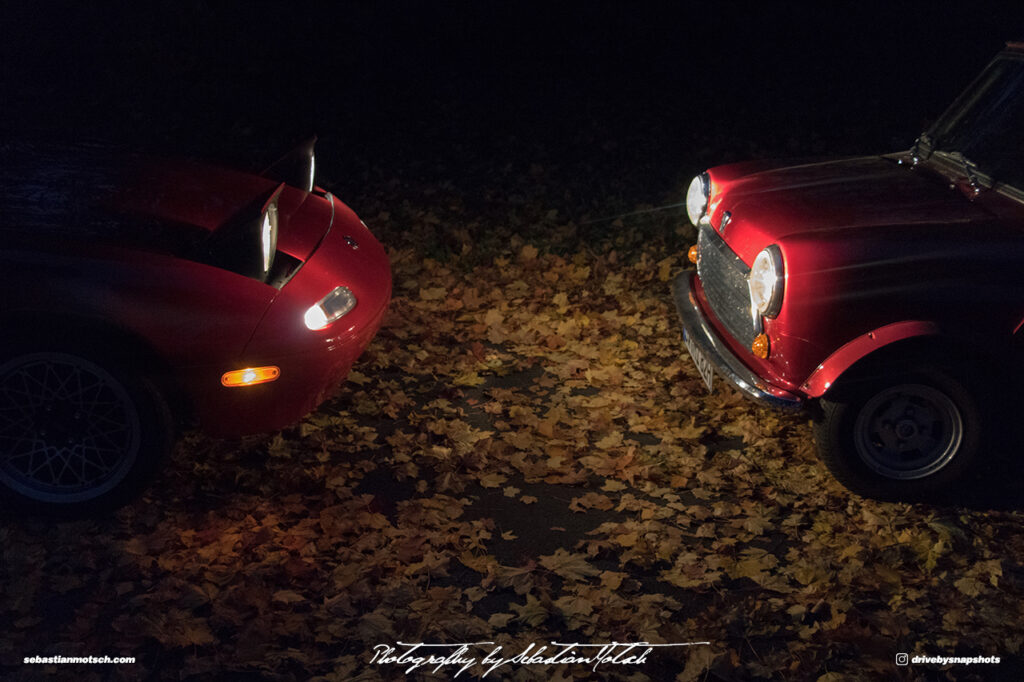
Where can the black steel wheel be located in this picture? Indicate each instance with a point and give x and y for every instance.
(901, 437)
(77, 433)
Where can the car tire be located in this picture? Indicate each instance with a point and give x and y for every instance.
(79, 432)
(906, 436)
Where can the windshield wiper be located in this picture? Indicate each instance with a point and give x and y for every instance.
(969, 169)
(915, 151)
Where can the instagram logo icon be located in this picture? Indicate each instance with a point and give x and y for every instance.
(902, 659)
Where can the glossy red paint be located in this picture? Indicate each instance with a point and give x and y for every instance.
(193, 319)
(834, 365)
(890, 289)
(868, 243)
(130, 288)
(312, 363)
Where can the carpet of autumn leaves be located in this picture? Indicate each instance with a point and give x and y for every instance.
(524, 454)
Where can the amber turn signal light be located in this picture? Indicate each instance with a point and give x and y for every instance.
(692, 254)
(250, 376)
(760, 346)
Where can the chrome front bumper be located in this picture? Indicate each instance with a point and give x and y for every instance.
(726, 364)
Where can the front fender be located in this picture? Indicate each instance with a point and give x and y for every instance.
(841, 360)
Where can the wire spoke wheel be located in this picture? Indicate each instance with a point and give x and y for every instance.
(70, 431)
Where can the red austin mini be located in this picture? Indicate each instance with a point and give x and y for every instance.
(882, 292)
(140, 293)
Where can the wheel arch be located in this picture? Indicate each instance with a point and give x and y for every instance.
(949, 374)
(932, 349)
(865, 346)
(97, 337)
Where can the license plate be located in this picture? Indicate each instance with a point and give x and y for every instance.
(704, 366)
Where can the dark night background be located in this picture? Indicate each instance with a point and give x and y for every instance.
(640, 92)
(522, 128)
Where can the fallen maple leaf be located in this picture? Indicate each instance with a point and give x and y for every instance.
(570, 566)
(533, 613)
(288, 597)
(433, 294)
(591, 501)
(492, 479)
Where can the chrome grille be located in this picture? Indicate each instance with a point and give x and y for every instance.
(724, 277)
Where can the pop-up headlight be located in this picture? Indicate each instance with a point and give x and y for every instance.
(268, 235)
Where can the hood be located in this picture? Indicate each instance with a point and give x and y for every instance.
(205, 197)
(769, 204)
(95, 195)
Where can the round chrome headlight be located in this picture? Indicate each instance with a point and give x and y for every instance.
(765, 282)
(697, 198)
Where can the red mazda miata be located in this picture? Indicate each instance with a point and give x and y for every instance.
(139, 295)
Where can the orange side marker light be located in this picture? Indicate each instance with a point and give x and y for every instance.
(250, 376)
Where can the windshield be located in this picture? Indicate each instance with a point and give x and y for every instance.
(985, 122)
